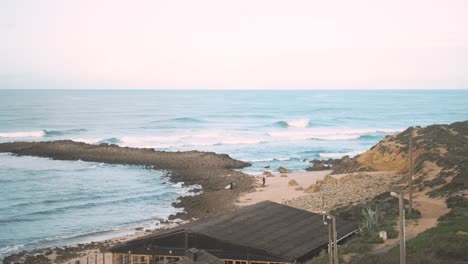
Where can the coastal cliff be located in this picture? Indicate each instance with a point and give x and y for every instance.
(436, 230)
(440, 156)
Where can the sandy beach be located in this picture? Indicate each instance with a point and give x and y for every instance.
(278, 189)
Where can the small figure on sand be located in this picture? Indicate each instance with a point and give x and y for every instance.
(263, 181)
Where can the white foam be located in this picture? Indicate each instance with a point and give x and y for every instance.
(339, 155)
(178, 185)
(300, 123)
(25, 134)
(11, 248)
(327, 134)
(208, 138)
(87, 140)
(259, 160)
(240, 141)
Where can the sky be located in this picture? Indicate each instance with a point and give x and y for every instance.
(241, 44)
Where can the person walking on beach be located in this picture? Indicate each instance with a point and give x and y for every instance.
(263, 181)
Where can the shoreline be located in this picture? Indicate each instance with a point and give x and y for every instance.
(209, 170)
(87, 251)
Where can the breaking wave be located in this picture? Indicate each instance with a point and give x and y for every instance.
(329, 134)
(42, 133)
(112, 140)
(339, 155)
(26, 134)
(298, 123)
(53, 133)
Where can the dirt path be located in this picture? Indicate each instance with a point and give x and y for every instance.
(431, 209)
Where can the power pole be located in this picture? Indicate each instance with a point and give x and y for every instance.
(410, 172)
(332, 238)
(401, 209)
(335, 244)
(402, 229)
(330, 243)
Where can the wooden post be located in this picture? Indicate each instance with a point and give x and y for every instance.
(323, 202)
(330, 241)
(186, 241)
(335, 244)
(103, 258)
(402, 229)
(87, 259)
(410, 172)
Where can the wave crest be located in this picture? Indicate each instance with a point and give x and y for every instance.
(23, 134)
(339, 155)
(42, 133)
(53, 133)
(298, 123)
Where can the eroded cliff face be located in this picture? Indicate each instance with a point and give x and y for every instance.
(387, 155)
(440, 156)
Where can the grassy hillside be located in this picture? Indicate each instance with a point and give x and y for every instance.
(440, 162)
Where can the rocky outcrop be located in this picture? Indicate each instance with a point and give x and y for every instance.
(210, 170)
(320, 165)
(284, 170)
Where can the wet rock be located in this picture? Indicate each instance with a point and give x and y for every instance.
(284, 170)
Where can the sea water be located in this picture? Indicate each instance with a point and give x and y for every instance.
(45, 202)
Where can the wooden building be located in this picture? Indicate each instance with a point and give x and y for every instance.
(263, 233)
(197, 256)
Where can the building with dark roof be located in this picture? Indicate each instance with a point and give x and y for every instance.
(266, 232)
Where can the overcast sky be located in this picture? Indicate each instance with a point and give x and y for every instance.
(237, 44)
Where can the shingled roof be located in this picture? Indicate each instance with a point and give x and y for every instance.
(279, 230)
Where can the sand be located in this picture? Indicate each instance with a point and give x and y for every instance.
(277, 188)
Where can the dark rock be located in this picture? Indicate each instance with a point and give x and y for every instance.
(284, 170)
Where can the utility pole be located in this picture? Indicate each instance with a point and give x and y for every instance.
(410, 172)
(330, 244)
(401, 209)
(332, 238)
(402, 230)
(335, 244)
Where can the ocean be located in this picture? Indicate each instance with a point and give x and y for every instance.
(46, 202)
